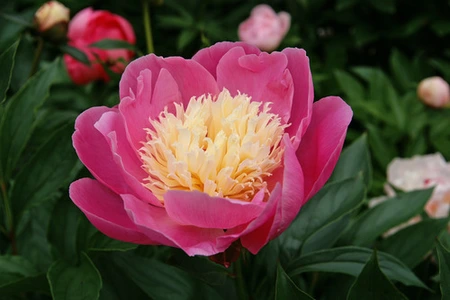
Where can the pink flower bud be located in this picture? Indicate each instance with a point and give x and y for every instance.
(434, 91)
(50, 14)
(265, 29)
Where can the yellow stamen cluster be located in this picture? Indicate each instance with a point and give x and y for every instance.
(224, 146)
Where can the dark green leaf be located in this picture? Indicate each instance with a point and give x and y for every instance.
(400, 66)
(19, 118)
(186, 37)
(331, 203)
(15, 268)
(411, 244)
(444, 269)
(75, 53)
(351, 260)
(69, 282)
(441, 27)
(113, 44)
(386, 6)
(385, 216)
(343, 4)
(352, 88)
(6, 65)
(286, 289)
(372, 284)
(162, 281)
(354, 161)
(40, 180)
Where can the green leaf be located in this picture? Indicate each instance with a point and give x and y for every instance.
(15, 268)
(286, 288)
(113, 44)
(75, 53)
(401, 69)
(411, 244)
(161, 281)
(373, 284)
(351, 260)
(441, 27)
(444, 269)
(354, 161)
(352, 88)
(6, 65)
(344, 4)
(69, 282)
(386, 6)
(186, 37)
(18, 120)
(385, 216)
(39, 179)
(331, 203)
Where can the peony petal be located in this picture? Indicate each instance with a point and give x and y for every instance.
(298, 65)
(192, 79)
(263, 77)
(105, 211)
(209, 57)
(125, 157)
(94, 151)
(321, 145)
(79, 22)
(285, 22)
(157, 225)
(201, 210)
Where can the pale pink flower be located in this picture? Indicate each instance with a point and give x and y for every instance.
(203, 152)
(416, 173)
(434, 91)
(90, 26)
(264, 28)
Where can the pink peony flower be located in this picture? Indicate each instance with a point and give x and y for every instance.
(416, 173)
(434, 91)
(204, 152)
(265, 29)
(90, 26)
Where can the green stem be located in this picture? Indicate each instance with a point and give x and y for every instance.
(240, 283)
(147, 26)
(37, 56)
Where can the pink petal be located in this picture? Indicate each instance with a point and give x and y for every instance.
(209, 57)
(94, 151)
(285, 22)
(125, 157)
(264, 77)
(201, 210)
(192, 79)
(79, 22)
(298, 65)
(322, 143)
(157, 225)
(105, 211)
(286, 203)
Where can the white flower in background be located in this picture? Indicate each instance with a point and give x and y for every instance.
(416, 173)
(434, 91)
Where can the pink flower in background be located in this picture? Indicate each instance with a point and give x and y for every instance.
(434, 91)
(264, 29)
(420, 172)
(203, 152)
(90, 26)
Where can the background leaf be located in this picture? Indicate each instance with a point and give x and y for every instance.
(6, 65)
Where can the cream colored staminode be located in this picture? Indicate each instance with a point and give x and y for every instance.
(224, 146)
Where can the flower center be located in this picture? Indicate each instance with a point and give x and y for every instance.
(224, 146)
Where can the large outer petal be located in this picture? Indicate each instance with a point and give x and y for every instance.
(322, 143)
(298, 65)
(105, 210)
(94, 151)
(192, 79)
(112, 127)
(209, 57)
(157, 225)
(201, 210)
(286, 203)
(78, 24)
(264, 77)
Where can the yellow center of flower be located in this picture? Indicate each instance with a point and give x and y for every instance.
(223, 146)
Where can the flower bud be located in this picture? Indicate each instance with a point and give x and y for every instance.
(434, 91)
(51, 20)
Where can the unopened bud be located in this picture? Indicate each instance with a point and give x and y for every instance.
(434, 91)
(51, 20)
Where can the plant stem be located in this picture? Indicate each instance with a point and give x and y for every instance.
(37, 56)
(147, 26)
(9, 218)
(240, 283)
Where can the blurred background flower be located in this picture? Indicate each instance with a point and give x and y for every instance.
(52, 16)
(90, 26)
(264, 28)
(434, 91)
